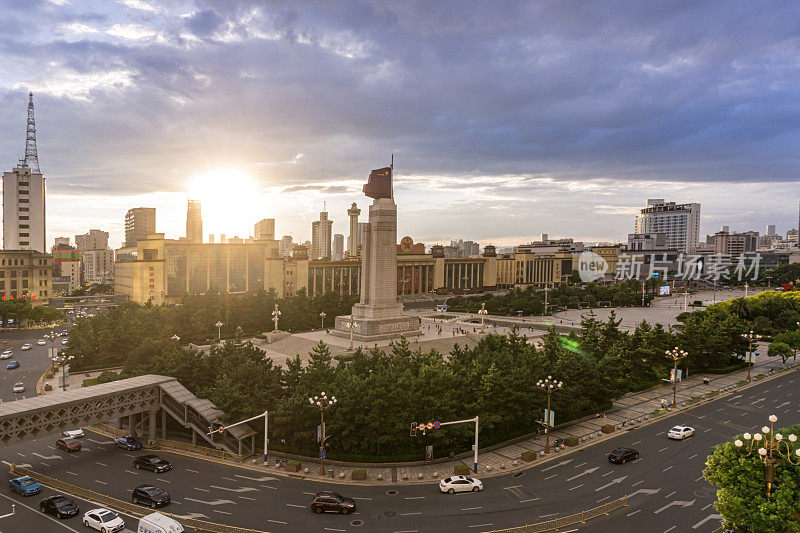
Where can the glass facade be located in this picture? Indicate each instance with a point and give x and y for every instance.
(175, 268)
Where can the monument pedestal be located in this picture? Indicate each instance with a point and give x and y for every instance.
(377, 329)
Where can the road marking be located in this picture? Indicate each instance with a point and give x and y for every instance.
(706, 430)
(131, 472)
(229, 479)
(670, 467)
(409, 514)
(192, 471)
(471, 508)
(47, 457)
(481, 525)
(613, 482)
(295, 505)
(587, 471)
(759, 400)
(37, 512)
(45, 464)
(259, 479)
(562, 463)
(129, 455)
(21, 454)
(698, 479)
(670, 529)
(407, 531)
(415, 497)
(603, 499)
(332, 529)
(678, 503)
(552, 476)
(546, 515)
(512, 487)
(204, 490)
(221, 512)
(368, 499)
(635, 443)
(101, 482)
(213, 503)
(528, 500)
(165, 480)
(670, 494)
(268, 487)
(664, 448)
(73, 473)
(693, 456)
(276, 521)
(243, 489)
(707, 506)
(706, 519)
(309, 493)
(247, 498)
(577, 487)
(607, 474)
(633, 513)
(580, 465)
(99, 463)
(637, 483)
(645, 491)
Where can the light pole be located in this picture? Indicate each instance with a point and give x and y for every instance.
(483, 312)
(275, 315)
(322, 402)
(265, 414)
(322, 316)
(750, 338)
(62, 361)
(771, 448)
(548, 385)
(219, 330)
(676, 355)
(352, 325)
(546, 286)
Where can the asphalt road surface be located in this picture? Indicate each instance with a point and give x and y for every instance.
(665, 486)
(33, 362)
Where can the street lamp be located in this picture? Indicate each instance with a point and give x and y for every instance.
(322, 316)
(352, 325)
(483, 312)
(771, 447)
(548, 385)
(750, 338)
(62, 361)
(219, 330)
(275, 315)
(322, 402)
(676, 355)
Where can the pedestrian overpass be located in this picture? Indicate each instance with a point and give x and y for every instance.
(142, 404)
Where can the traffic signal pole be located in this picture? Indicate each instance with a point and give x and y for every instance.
(423, 427)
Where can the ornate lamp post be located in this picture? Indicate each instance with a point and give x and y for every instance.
(750, 338)
(483, 312)
(322, 316)
(219, 330)
(62, 361)
(275, 315)
(676, 355)
(771, 448)
(352, 325)
(548, 385)
(322, 402)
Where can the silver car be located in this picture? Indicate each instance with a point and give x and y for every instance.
(18, 387)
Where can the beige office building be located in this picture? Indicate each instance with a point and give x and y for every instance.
(25, 274)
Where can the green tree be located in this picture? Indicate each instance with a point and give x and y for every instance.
(779, 349)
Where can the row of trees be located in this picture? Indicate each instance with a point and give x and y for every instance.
(20, 311)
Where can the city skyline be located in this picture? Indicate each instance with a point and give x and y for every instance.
(140, 88)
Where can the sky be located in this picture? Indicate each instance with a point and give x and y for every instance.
(506, 119)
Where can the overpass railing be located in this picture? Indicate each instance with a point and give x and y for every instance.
(571, 520)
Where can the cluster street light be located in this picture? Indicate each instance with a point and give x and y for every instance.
(219, 330)
(352, 325)
(750, 338)
(322, 316)
(483, 312)
(548, 385)
(275, 316)
(676, 355)
(771, 447)
(62, 360)
(322, 402)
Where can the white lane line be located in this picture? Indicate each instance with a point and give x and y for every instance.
(101, 482)
(670, 494)
(409, 514)
(165, 480)
(407, 531)
(550, 477)
(698, 479)
(633, 513)
(607, 474)
(247, 498)
(637, 483)
(707, 506)
(276, 521)
(99, 463)
(580, 465)
(131, 472)
(471, 508)
(309, 493)
(192, 471)
(221, 512)
(512, 487)
(73, 473)
(603, 499)
(332, 529)
(45, 464)
(481, 525)
(203, 490)
(693, 456)
(129, 455)
(295, 505)
(668, 468)
(577, 487)
(528, 500)
(415, 497)
(231, 479)
(368, 499)
(670, 529)
(546, 515)
(635, 443)
(268, 487)
(706, 430)
(664, 448)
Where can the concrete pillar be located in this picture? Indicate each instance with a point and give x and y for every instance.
(131, 426)
(151, 427)
(163, 424)
(194, 437)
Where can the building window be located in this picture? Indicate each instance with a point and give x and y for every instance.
(24, 234)
(24, 226)
(24, 209)
(24, 201)
(24, 243)
(23, 183)
(24, 217)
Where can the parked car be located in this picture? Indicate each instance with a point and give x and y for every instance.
(460, 484)
(41, 342)
(622, 455)
(158, 523)
(18, 387)
(6, 354)
(59, 506)
(68, 445)
(25, 486)
(128, 442)
(332, 502)
(73, 433)
(103, 520)
(150, 496)
(26, 346)
(12, 365)
(152, 462)
(680, 432)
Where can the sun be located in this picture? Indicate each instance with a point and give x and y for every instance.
(230, 201)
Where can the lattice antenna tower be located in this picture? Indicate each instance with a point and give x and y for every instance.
(31, 154)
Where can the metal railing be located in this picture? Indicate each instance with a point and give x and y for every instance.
(564, 521)
(126, 507)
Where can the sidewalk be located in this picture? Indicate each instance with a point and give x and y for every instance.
(628, 411)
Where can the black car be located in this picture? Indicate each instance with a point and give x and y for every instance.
(59, 506)
(152, 462)
(150, 496)
(332, 502)
(622, 455)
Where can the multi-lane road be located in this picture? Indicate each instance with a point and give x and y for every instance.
(665, 485)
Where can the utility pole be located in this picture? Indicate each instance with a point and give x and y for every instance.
(545, 297)
(265, 414)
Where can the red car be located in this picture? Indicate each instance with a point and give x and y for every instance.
(69, 445)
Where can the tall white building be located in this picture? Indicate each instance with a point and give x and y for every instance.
(96, 239)
(285, 246)
(338, 247)
(98, 266)
(679, 222)
(264, 229)
(353, 239)
(321, 234)
(194, 221)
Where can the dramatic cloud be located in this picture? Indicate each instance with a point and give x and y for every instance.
(506, 118)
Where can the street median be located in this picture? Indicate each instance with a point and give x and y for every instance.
(571, 520)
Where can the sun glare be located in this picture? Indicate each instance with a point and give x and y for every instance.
(230, 201)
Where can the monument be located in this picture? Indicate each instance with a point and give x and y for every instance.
(378, 315)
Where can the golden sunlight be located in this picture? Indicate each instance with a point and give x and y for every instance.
(231, 201)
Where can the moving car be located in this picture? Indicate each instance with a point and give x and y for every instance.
(158, 523)
(680, 432)
(332, 502)
(12, 365)
(68, 445)
(59, 506)
(150, 496)
(25, 486)
(41, 342)
(26, 347)
(152, 462)
(128, 442)
(103, 520)
(18, 387)
(460, 484)
(6, 354)
(73, 433)
(63, 341)
(622, 455)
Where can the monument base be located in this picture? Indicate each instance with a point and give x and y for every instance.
(377, 329)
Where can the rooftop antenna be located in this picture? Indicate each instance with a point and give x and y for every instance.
(31, 155)
(324, 206)
(392, 165)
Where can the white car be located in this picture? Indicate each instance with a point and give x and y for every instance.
(460, 484)
(73, 433)
(26, 346)
(6, 355)
(18, 387)
(680, 432)
(63, 341)
(41, 342)
(103, 520)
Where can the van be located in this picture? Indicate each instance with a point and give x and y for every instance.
(158, 523)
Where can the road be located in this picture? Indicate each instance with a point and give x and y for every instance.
(33, 362)
(666, 488)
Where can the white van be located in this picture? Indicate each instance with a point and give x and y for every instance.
(158, 523)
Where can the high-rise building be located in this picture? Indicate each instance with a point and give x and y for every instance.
(24, 198)
(264, 229)
(61, 241)
(194, 221)
(94, 240)
(285, 246)
(25, 274)
(139, 223)
(770, 230)
(352, 240)
(679, 222)
(338, 247)
(98, 266)
(321, 233)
